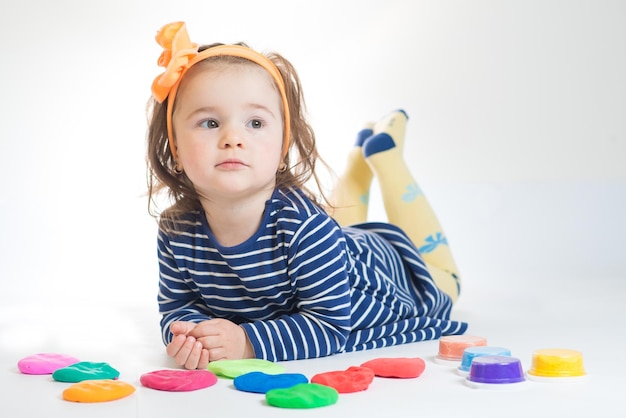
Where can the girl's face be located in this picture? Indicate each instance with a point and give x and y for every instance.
(228, 129)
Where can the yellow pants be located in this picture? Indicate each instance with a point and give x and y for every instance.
(380, 155)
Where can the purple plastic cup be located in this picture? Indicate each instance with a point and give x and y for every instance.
(471, 353)
(496, 370)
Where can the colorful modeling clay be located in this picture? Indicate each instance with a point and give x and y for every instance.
(178, 380)
(353, 379)
(98, 391)
(85, 370)
(401, 367)
(304, 395)
(259, 382)
(234, 368)
(451, 347)
(45, 363)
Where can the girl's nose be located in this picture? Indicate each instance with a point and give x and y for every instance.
(231, 138)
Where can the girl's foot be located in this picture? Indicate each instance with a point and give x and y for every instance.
(388, 134)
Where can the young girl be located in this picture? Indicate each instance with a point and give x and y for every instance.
(251, 264)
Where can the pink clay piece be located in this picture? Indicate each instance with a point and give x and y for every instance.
(45, 363)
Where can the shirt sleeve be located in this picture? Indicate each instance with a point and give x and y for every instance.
(318, 270)
(177, 300)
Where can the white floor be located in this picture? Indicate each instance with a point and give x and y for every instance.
(515, 304)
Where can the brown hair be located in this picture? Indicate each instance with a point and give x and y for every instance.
(301, 158)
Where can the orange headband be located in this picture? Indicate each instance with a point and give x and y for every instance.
(179, 54)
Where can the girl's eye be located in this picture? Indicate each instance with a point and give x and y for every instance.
(255, 124)
(209, 124)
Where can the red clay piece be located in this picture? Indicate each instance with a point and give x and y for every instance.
(353, 379)
(401, 367)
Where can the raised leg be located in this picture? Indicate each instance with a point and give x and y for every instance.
(350, 197)
(405, 203)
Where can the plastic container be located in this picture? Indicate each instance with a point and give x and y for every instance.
(495, 372)
(556, 364)
(451, 348)
(470, 353)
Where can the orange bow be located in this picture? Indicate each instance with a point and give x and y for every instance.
(178, 51)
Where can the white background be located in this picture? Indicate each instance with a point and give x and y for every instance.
(517, 133)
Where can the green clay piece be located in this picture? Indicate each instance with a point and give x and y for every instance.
(85, 370)
(235, 368)
(302, 396)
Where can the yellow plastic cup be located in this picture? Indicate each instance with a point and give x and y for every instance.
(556, 362)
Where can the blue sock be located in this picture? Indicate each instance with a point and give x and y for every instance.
(406, 115)
(378, 143)
(362, 136)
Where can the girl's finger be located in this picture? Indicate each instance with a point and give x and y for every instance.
(193, 359)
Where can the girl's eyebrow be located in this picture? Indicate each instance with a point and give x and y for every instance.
(261, 107)
(211, 109)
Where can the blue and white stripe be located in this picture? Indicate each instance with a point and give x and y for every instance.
(302, 287)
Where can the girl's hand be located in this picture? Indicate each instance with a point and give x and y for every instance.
(222, 339)
(186, 350)
(195, 345)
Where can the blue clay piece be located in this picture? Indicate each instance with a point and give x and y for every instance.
(259, 382)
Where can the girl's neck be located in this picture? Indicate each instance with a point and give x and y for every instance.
(232, 222)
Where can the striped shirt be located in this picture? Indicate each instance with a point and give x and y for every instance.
(302, 286)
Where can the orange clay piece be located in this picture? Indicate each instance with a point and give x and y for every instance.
(451, 347)
(98, 391)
